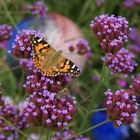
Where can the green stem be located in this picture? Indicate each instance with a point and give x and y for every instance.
(8, 14)
(84, 9)
(93, 98)
(92, 127)
(13, 68)
(47, 135)
(99, 84)
(10, 124)
(97, 110)
(21, 82)
(50, 135)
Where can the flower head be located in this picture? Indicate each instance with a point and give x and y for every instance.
(122, 83)
(135, 87)
(81, 47)
(100, 3)
(26, 64)
(13, 115)
(22, 47)
(136, 123)
(134, 49)
(136, 1)
(67, 134)
(121, 62)
(44, 108)
(111, 31)
(134, 36)
(38, 8)
(121, 107)
(37, 81)
(129, 4)
(5, 32)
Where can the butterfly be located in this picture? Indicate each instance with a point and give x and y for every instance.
(49, 61)
(63, 93)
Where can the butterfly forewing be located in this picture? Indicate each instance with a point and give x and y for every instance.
(49, 61)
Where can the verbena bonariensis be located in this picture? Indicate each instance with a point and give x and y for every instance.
(45, 109)
(121, 107)
(111, 31)
(14, 115)
(5, 32)
(121, 62)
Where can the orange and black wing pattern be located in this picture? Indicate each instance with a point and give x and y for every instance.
(42, 54)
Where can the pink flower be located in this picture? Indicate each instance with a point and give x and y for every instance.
(68, 134)
(121, 62)
(26, 64)
(121, 107)
(15, 116)
(81, 47)
(44, 108)
(135, 87)
(5, 32)
(111, 31)
(122, 83)
(22, 47)
(37, 81)
(38, 8)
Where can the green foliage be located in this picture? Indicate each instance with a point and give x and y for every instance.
(7, 80)
(81, 12)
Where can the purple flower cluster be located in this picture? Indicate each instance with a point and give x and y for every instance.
(122, 83)
(69, 135)
(36, 82)
(135, 87)
(45, 109)
(81, 47)
(100, 3)
(121, 62)
(38, 8)
(136, 123)
(134, 37)
(131, 3)
(13, 115)
(5, 32)
(111, 31)
(121, 107)
(22, 47)
(26, 64)
(134, 49)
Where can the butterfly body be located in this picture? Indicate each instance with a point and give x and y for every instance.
(51, 62)
(63, 93)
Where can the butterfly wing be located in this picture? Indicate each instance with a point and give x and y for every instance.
(44, 56)
(67, 67)
(42, 52)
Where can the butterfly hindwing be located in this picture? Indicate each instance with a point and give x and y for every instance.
(68, 67)
(49, 61)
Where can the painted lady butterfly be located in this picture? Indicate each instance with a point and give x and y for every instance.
(49, 61)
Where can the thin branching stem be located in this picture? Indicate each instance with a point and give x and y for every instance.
(8, 14)
(12, 69)
(10, 124)
(91, 128)
(97, 110)
(94, 96)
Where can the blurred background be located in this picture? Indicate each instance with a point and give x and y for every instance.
(12, 75)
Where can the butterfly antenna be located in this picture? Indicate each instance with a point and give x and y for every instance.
(71, 39)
